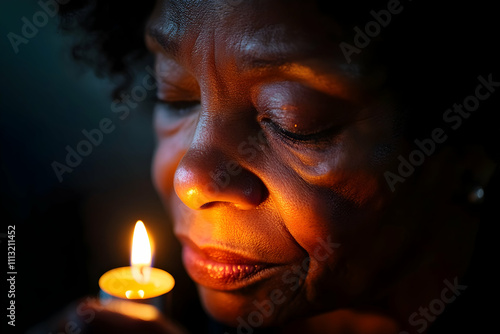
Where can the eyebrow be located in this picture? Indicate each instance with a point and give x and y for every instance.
(245, 62)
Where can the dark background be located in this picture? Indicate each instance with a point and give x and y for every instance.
(69, 233)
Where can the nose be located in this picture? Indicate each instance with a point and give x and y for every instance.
(212, 173)
(207, 178)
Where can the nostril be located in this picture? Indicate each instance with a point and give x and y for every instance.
(255, 193)
(263, 194)
(215, 203)
(208, 205)
(201, 183)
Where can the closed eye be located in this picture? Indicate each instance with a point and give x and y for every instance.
(177, 108)
(312, 138)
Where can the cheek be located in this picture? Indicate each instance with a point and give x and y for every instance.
(342, 178)
(331, 201)
(351, 169)
(336, 233)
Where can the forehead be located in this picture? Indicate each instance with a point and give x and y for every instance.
(250, 31)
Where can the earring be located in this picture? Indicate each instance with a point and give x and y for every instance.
(476, 195)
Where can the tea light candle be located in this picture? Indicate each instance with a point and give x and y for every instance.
(138, 282)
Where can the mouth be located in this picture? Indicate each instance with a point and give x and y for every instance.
(224, 270)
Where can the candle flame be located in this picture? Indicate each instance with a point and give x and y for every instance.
(141, 254)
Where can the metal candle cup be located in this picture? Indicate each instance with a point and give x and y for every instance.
(119, 283)
(140, 282)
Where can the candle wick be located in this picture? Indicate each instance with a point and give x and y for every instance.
(141, 273)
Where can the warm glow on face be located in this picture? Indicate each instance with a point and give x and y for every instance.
(192, 192)
(141, 254)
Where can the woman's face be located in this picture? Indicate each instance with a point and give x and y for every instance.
(271, 157)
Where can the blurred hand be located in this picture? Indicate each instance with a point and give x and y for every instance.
(90, 316)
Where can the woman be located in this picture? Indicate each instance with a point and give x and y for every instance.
(317, 158)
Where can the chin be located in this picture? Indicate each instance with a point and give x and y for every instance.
(244, 309)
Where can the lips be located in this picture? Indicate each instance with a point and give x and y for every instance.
(224, 270)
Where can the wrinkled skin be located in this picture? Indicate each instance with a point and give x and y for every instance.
(259, 96)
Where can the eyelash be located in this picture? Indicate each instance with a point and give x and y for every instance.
(178, 108)
(313, 138)
(184, 108)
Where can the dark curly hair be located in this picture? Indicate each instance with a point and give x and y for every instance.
(110, 36)
(432, 56)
